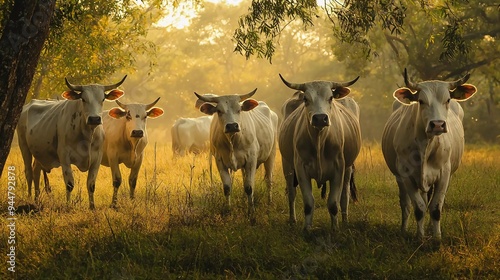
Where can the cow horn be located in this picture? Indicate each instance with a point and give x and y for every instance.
(73, 87)
(301, 87)
(110, 87)
(149, 106)
(123, 106)
(459, 82)
(346, 84)
(248, 95)
(409, 84)
(207, 98)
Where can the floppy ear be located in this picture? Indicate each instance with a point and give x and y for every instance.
(71, 95)
(114, 94)
(249, 104)
(117, 113)
(155, 112)
(463, 92)
(340, 92)
(405, 96)
(208, 108)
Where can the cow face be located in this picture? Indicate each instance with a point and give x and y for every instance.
(317, 98)
(91, 98)
(136, 116)
(228, 109)
(433, 99)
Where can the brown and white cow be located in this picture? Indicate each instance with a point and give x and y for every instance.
(242, 136)
(125, 140)
(423, 142)
(190, 135)
(319, 140)
(62, 133)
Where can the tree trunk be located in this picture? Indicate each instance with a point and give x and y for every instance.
(20, 46)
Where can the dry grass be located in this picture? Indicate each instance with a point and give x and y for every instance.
(174, 228)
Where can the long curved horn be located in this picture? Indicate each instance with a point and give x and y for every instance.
(73, 87)
(151, 105)
(110, 87)
(409, 84)
(301, 87)
(346, 84)
(248, 95)
(123, 106)
(459, 82)
(207, 98)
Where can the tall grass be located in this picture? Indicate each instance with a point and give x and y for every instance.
(175, 228)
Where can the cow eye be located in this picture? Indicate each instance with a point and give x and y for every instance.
(420, 101)
(330, 99)
(448, 101)
(129, 117)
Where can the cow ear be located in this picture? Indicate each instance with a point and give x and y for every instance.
(208, 108)
(117, 113)
(155, 112)
(340, 92)
(71, 95)
(114, 94)
(249, 104)
(405, 96)
(463, 92)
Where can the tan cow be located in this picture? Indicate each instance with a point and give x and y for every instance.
(125, 140)
(319, 140)
(423, 142)
(62, 133)
(242, 136)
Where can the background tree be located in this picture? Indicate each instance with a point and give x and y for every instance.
(22, 40)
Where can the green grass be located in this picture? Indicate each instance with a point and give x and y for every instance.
(174, 228)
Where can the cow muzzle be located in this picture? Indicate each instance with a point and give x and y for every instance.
(437, 127)
(232, 128)
(137, 133)
(320, 121)
(94, 120)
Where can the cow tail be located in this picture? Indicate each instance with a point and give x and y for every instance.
(353, 189)
(210, 168)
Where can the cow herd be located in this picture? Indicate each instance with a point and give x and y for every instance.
(319, 137)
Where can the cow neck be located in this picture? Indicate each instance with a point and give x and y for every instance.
(87, 132)
(233, 142)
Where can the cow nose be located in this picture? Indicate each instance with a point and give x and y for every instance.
(232, 127)
(94, 120)
(437, 127)
(137, 133)
(320, 120)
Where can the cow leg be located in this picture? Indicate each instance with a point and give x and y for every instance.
(117, 181)
(436, 204)
(404, 203)
(69, 180)
(226, 181)
(46, 182)
(419, 205)
(132, 179)
(91, 178)
(268, 177)
(37, 168)
(248, 182)
(307, 195)
(28, 169)
(291, 188)
(334, 196)
(344, 199)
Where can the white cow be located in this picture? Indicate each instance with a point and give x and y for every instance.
(242, 136)
(190, 135)
(125, 140)
(423, 142)
(61, 133)
(319, 140)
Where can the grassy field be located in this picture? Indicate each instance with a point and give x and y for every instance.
(174, 227)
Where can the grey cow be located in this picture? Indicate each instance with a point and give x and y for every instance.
(319, 140)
